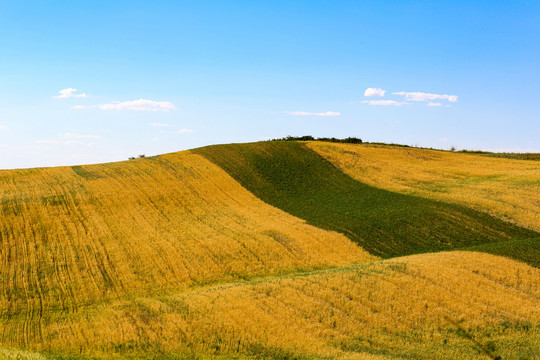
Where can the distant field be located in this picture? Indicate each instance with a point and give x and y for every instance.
(509, 189)
(526, 250)
(293, 178)
(410, 307)
(516, 156)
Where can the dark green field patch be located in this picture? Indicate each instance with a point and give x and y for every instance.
(82, 172)
(514, 156)
(54, 200)
(526, 250)
(12, 205)
(295, 179)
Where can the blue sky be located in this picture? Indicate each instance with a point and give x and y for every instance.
(159, 76)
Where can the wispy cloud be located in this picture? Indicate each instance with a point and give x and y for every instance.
(384, 102)
(158, 124)
(80, 136)
(133, 105)
(69, 93)
(304, 113)
(48, 142)
(374, 92)
(3, 127)
(139, 105)
(420, 96)
(434, 104)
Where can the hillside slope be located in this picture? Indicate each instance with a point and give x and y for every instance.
(411, 307)
(293, 178)
(506, 188)
(73, 237)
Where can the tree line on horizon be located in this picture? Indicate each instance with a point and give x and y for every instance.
(349, 140)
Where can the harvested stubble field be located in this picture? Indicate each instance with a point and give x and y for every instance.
(73, 237)
(170, 257)
(398, 308)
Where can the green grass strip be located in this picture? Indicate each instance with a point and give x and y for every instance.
(526, 250)
(295, 179)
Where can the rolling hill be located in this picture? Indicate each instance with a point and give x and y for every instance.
(290, 176)
(502, 187)
(264, 250)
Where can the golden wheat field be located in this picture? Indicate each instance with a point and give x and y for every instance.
(403, 307)
(506, 188)
(74, 236)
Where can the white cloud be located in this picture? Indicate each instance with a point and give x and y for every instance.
(158, 124)
(374, 92)
(434, 104)
(48, 142)
(80, 136)
(69, 93)
(3, 127)
(303, 113)
(139, 105)
(384, 102)
(420, 96)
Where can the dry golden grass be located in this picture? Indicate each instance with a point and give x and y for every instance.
(509, 189)
(14, 354)
(396, 308)
(72, 237)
